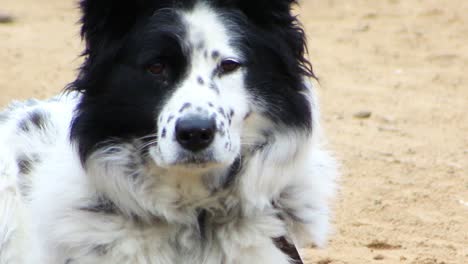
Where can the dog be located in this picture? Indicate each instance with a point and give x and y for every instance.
(190, 135)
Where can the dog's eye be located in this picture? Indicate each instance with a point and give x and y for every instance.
(229, 65)
(156, 68)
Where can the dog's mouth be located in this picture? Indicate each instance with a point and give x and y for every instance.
(201, 160)
(174, 157)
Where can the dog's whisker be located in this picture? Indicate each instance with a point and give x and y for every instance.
(147, 137)
(147, 144)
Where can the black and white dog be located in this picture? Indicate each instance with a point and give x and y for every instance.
(191, 135)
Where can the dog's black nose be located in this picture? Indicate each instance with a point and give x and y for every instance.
(195, 133)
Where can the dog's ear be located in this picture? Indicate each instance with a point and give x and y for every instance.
(266, 12)
(105, 21)
(277, 16)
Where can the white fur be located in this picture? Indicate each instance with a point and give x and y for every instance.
(49, 225)
(207, 34)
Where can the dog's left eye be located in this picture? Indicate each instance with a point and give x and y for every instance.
(229, 65)
(156, 68)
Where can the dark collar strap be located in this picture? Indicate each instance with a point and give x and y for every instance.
(289, 249)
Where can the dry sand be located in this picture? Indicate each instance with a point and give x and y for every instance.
(404, 184)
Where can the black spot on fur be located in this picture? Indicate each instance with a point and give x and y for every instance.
(170, 118)
(289, 249)
(221, 111)
(102, 250)
(185, 107)
(231, 113)
(201, 219)
(222, 133)
(35, 120)
(234, 170)
(24, 165)
(38, 119)
(215, 54)
(248, 114)
(23, 125)
(101, 205)
(163, 133)
(210, 104)
(215, 88)
(200, 80)
(214, 73)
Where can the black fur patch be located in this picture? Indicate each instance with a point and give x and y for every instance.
(25, 165)
(289, 249)
(123, 38)
(35, 120)
(234, 170)
(215, 88)
(221, 111)
(101, 205)
(215, 54)
(185, 107)
(102, 250)
(273, 43)
(201, 219)
(200, 80)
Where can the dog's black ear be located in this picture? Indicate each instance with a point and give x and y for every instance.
(277, 16)
(105, 21)
(266, 12)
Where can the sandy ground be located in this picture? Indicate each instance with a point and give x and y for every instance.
(404, 185)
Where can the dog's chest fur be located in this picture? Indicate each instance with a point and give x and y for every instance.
(212, 237)
(215, 229)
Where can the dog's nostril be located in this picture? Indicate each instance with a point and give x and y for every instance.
(184, 136)
(195, 133)
(206, 135)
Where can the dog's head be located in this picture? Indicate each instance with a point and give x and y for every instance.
(192, 84)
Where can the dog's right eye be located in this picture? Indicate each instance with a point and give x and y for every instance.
(156, 68)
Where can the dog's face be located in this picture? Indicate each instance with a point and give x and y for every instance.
(200, 121)
(193, 84)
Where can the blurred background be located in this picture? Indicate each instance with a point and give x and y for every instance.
(394, 96)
